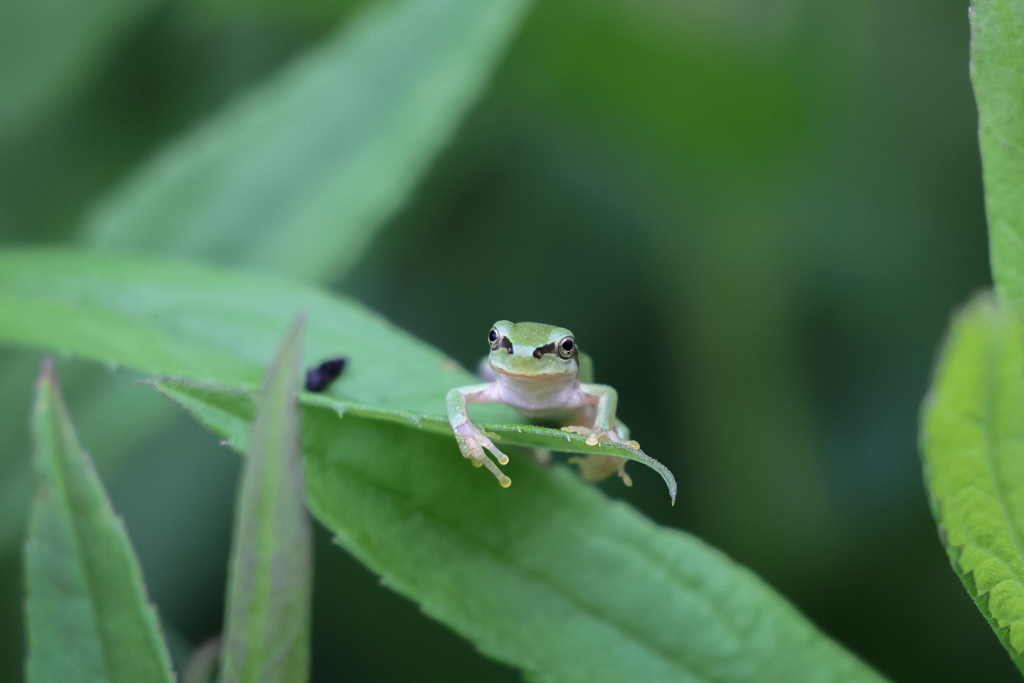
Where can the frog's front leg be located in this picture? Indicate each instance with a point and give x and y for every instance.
(606, 427)
(471, 440)
(598, 466)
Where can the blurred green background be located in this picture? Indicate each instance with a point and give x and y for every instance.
(755, 216)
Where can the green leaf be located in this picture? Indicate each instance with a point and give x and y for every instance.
(48, 49)
(219, 327)
(112, 414)
(295, 176)
(972, 442)
(270, 584)
(87, 610)
(545, 575)
(997, 72)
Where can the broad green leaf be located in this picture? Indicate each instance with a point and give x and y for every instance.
(997, 72)
(295, 176)
(972, 442)
(219, 327)
(546, 575)
(551, 577)
(270, 583)
(88, 615)
(48, 48)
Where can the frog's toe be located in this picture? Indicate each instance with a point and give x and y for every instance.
(622, 472)
(593, 435)
(468, 444)
(500, 457)
(489, 445)
(597, 435)
(502, 478)
(472, 444)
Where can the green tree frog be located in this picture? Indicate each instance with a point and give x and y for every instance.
(539, 370)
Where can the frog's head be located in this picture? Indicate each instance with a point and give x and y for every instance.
(532, 350)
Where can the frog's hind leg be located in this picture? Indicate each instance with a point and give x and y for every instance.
(541, 455)
(598, 466)
(620, 467)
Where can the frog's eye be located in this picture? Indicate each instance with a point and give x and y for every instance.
(566, 348)
(493, 338)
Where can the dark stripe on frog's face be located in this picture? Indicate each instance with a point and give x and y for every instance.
(506, 343)
(541, 350)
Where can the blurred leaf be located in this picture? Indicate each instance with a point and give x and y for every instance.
(655, 80)
(303, 14)
(997, 72)
(297, 175)
(547, 575)
(49, 48)
(972, 441)
(270, 583)
(88, 615)
(218, 326)
(214, 325)
(100, 394)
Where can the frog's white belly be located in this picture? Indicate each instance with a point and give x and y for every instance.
(583, 416)
(555, 398)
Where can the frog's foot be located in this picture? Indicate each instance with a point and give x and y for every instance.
(541, 455)
(598, 466)
(621, 468)
(472, 443)
(598, 434)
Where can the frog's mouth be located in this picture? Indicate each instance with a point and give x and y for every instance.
(534, 376)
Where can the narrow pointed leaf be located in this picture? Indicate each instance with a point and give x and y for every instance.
(997, 72)
(972, 442)
(217, 326)
(295, 176)
(270, 584)
(97, 395)
(545, 575)
(88, 615)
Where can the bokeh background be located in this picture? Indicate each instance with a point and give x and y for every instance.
(756, 216)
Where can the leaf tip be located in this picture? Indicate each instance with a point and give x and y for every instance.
(46, 380)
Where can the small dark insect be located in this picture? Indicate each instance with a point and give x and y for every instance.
(320, 377)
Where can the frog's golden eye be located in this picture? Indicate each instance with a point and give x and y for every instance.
(566, 348)
(493, 338)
